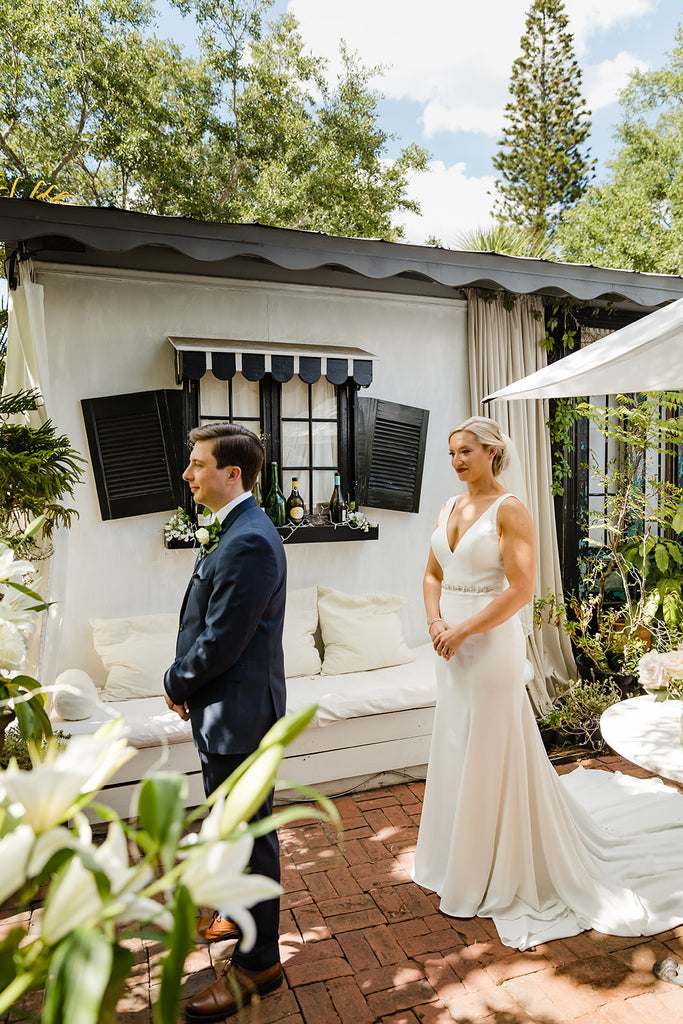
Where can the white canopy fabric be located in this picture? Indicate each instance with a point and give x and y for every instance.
(645, 356)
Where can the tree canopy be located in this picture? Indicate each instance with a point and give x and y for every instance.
(634, 218)
(541, 163)
(93, 102)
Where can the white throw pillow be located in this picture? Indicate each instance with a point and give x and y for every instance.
(298, 638)
(135, 651)
(361, 631)
(75, 695)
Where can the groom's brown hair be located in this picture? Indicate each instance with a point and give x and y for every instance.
(233, 445)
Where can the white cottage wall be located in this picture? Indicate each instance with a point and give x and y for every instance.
(107, 334)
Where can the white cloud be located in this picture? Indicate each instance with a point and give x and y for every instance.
(450, 202)
(451, 56)
(586, 17)
(602, 82)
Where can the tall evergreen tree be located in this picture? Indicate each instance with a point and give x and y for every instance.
(633, 218)
(541, 164)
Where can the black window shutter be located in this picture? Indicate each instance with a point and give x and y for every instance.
(390, 451)
(136, 447)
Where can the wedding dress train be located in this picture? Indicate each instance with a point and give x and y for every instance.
(501, 834)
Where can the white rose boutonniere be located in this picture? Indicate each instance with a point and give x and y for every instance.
(208, 536)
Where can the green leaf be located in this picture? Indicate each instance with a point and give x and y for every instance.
(8, 956)
(122, 963)
(79, 974)
(32, 719)
(661, 557)
(161, 811)
(251, 789)
(33, 527)
(288, 728)
(180, 943)
(677, 522)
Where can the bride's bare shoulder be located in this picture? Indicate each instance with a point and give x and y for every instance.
(445, 505)
(513, 514)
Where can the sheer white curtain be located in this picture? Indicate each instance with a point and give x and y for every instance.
(26, 363)
(504, 345)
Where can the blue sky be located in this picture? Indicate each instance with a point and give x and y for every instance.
(446, 81)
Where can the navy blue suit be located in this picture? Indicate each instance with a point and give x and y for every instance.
(229, 670)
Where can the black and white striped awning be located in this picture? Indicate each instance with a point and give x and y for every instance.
(253, 359)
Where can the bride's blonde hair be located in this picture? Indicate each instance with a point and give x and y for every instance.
(488, 433)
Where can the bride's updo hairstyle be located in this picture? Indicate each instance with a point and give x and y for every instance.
(488, 433)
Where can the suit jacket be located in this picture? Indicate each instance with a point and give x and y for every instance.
(229, 665)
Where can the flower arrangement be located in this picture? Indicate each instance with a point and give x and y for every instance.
(145, 879)
(357, 520)
(661, 673)
(180, 527)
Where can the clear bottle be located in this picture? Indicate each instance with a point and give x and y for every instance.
(337, 503)
(275, 499)
(296, 507)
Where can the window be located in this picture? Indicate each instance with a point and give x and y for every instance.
(303, 426)
(305, 407)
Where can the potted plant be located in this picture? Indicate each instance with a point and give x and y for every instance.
(574, 717)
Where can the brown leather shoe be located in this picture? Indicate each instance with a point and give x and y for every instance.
(215, 928)
(235, 988)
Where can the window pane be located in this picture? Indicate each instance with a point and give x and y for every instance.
(295, 449)
(302, 475)
(294, 398)
(323, 485)
(245, 398)
(214, 396)
(324, 400)
(325, 444)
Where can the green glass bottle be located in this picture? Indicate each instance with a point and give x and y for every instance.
(256, 493)
(275, 500)
(337, 503)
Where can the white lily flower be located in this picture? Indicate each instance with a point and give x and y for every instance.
(112, 857)
(72, 902)
(126, 881)
(215, 876)
(12, 646)
(48, 792)
(11, 570)
(15, 850)
(48, 843)
(16, 607)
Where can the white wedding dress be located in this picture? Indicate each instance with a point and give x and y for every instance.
(501, 834)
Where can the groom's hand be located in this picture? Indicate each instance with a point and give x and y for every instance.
(180, 709)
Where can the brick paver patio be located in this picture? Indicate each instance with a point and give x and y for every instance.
(361, 943)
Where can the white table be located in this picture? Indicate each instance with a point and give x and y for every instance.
(647, 733)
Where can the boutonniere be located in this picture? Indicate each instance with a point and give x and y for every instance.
(208, 537)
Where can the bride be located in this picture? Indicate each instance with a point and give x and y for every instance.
(501, 835)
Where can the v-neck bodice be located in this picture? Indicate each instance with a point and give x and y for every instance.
(476, 561)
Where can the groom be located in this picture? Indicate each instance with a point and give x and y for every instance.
(228, 676)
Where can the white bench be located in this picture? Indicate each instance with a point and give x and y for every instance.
(368, 724)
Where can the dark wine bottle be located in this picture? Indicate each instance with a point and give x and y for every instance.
(295, 503)
(337, 503)
(275, 499)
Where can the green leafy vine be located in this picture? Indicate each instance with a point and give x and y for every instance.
(564, 411)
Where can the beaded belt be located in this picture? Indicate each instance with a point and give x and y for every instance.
(461, 589)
